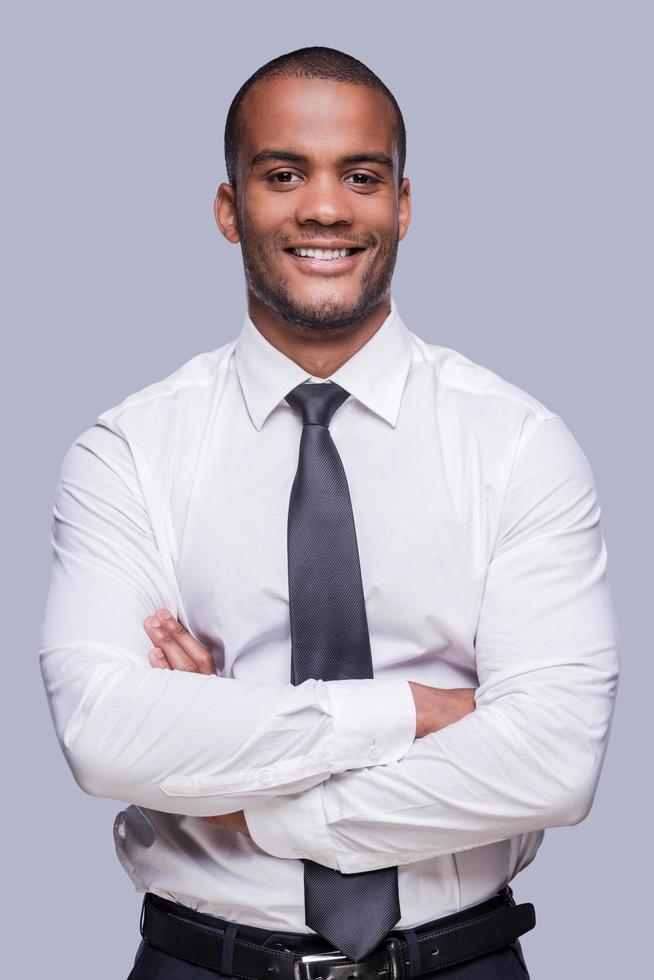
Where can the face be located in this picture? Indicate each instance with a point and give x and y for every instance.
(296, 188)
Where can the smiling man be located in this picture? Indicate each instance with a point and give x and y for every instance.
(317, 201)
(329, 606)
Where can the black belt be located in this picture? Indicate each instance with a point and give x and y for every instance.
(239, 950)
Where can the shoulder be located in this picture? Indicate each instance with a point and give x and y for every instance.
(165, 420)
(160, 426)
(184, 390)
(457, 374)
(476, 397)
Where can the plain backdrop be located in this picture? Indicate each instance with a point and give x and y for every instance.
(530, 251)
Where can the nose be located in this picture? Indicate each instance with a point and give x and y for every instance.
(325, 200)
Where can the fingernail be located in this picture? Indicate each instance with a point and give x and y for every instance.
(155, 622)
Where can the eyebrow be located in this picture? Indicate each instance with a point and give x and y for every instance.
(370, 156)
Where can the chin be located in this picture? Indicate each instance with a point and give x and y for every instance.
(327, 296)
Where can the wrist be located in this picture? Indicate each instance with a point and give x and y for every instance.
(423, 705)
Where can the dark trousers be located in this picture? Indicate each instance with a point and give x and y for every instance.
(504, 964)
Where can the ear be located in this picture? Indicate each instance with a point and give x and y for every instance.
(224, 209)
(404, 202)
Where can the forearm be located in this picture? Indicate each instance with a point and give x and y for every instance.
(205, 745)
(508, 768)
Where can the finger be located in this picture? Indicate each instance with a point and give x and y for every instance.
(158, 658)
(183, 643)
(161, 638)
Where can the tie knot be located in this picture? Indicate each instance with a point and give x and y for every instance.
(317, 402)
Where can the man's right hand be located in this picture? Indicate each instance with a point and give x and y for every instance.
(175, 648)
(438, 707)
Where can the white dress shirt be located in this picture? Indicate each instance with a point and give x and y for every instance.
(483, 565)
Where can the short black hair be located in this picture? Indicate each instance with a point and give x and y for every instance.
(312, 62)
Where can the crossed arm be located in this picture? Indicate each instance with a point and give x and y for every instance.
(527, 757)
(177, 649)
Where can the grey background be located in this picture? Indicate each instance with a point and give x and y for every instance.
(530, 153)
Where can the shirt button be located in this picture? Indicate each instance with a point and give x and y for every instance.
(373, 751)
(266, 776)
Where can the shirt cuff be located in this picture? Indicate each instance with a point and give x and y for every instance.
(374, 722)
(293, 826)
(373, 725)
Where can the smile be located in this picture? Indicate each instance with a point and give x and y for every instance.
(324, 253)
(325, 259)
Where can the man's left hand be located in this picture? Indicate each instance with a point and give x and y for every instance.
(176, 649)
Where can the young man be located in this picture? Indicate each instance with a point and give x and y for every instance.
(371, 573)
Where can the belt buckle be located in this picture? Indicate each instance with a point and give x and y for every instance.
(302, 966)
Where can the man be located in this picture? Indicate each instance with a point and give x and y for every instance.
(371, 573)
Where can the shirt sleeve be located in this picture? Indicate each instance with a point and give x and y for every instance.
(529, 756)
(175, 741)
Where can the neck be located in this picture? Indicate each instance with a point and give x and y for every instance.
(319, 352)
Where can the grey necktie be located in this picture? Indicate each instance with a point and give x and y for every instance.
(330, 641)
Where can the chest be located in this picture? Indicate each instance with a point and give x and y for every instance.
(423, 516)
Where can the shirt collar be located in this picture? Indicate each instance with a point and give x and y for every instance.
(375, 375)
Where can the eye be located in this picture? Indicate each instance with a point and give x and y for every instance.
(369, 179)
(281, 173)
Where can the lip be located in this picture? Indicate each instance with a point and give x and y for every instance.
(325, 267)
(326, 243)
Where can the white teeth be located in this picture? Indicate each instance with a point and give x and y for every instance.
(322, 253)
